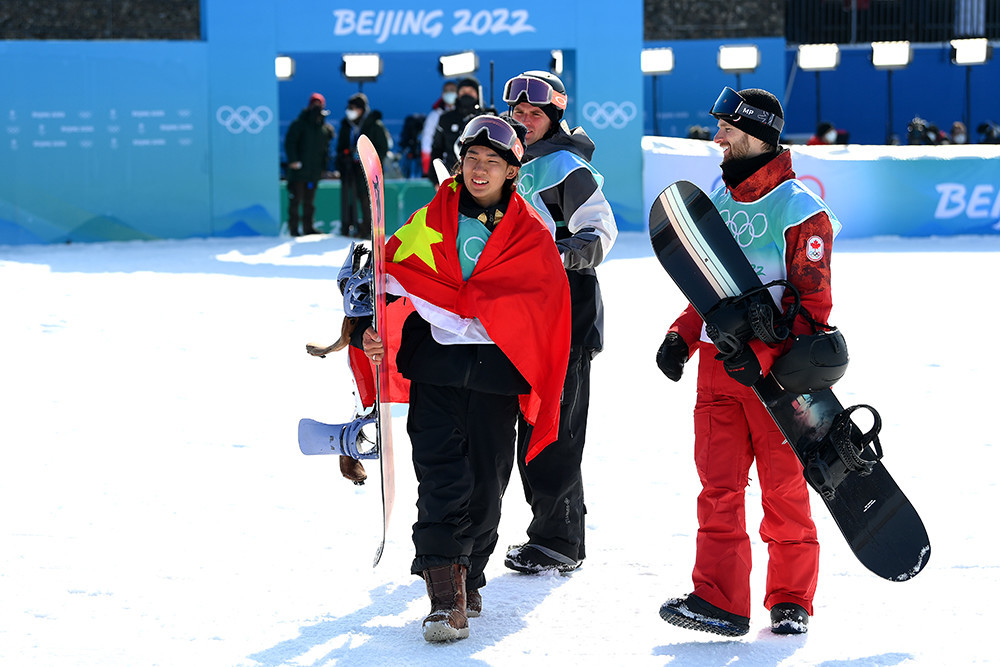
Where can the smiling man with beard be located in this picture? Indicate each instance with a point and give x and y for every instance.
(787, 235)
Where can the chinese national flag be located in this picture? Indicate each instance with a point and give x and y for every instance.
(518, 291)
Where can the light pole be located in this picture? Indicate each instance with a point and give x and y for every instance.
(655, 62)
(891, 56)
(969, 52)
(818, 58)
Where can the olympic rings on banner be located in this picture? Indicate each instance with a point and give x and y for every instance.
(244, 119)
(609, 114)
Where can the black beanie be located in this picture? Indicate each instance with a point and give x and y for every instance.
(470, 81)
(765, 101)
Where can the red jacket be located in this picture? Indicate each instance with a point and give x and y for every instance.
(810, 277)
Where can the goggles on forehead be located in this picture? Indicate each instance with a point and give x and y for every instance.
(731, 107)
(535, 91)
(499, 133)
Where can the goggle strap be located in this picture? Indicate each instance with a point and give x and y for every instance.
(753, 113)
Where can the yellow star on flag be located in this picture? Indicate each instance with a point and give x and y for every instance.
(416, 238)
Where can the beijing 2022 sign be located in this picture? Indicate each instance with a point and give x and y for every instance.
(384, 23)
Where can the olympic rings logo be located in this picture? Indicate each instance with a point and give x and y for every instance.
(473, 247)
(744, 228)
(609, 114)
(525, 183)
(244, 119)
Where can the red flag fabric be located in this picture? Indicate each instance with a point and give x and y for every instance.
(518, 291)
(363, 368)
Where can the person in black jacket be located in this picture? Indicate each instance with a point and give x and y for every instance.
(307, 150)
(491, 321)
(358, 119)
(452, 122)
(558, 180)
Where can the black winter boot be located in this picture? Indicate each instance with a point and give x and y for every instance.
(693, 613)
(788, 618)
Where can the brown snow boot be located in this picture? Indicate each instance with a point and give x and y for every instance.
(473, 603)
(353, 470)
(446, 589)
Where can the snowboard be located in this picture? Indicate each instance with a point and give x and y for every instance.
(373, 423)
(840, 462)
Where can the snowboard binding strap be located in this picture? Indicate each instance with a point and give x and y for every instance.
(351, 439)
(753, 314)
(838, 455)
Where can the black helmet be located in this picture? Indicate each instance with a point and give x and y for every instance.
(813, 363)
(550, 96)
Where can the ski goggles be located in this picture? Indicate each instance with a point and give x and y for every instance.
(731, 107)
(535, 91)
(498, 132)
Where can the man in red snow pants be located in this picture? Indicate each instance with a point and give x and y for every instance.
(786, 233)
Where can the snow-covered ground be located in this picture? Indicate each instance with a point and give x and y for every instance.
(156, 509)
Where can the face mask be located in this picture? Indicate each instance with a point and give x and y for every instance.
(830, 137)
(467, 101)
(449, 98)
(959, 138)
(352, 114)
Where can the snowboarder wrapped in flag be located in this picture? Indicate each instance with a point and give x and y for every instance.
(489, 338)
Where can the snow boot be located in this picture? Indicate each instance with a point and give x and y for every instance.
(446, 589)
(353, 470)
(473, 603)
(534, 558)
(693, 613)
(788, 618)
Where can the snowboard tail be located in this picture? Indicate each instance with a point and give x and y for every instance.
(840, 461)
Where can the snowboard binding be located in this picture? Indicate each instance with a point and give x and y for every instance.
(839, 454)
(735, 320)
(355, 282)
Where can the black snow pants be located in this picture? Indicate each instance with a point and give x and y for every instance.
(463, 455)
(553, 481)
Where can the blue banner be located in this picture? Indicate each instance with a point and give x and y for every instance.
(874, 190)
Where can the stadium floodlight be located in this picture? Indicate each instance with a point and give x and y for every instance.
(284, 68)
(457, 64)
(818, 57)
(657, 61)
(361, 67)
(970, 51)
(739, 59)
(891, 55)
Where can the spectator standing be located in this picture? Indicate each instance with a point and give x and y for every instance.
(959, 135)
(451, 123)
(445, 103)
(410, 156)
(307, 152)
(826, 135)
(358, 119)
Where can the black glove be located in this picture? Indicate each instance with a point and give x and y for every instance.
(672, 355)
(744, 367)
